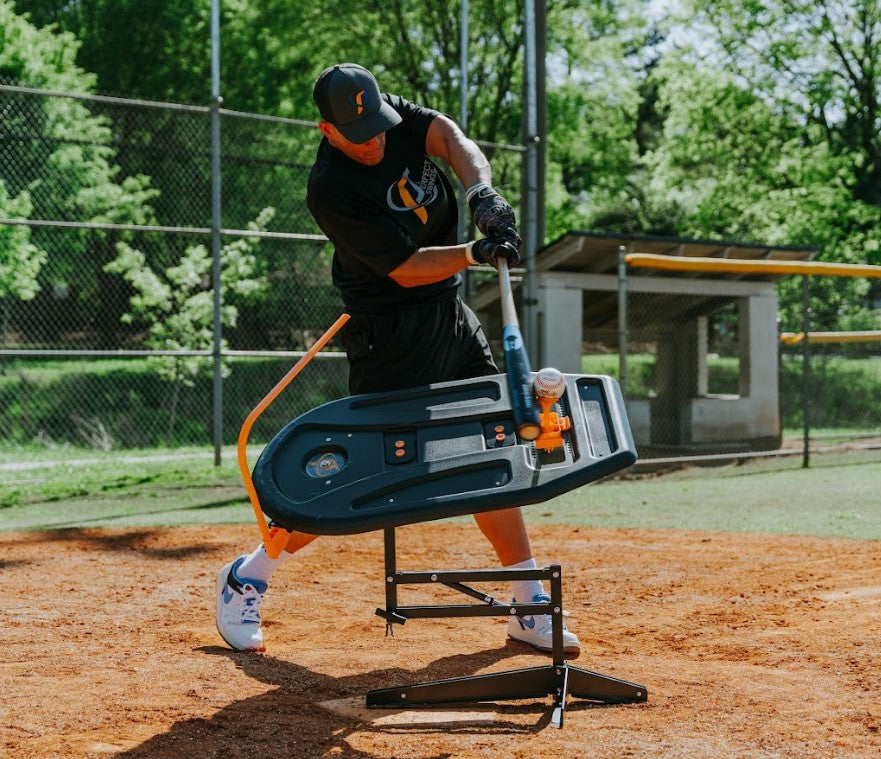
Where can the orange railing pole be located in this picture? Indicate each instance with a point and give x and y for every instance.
(750, 266)
(274, 539)
(866, 336)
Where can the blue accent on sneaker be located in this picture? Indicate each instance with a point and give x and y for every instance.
(235, 583)
(528, 623)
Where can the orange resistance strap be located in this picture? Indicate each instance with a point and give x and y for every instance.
(275, 538)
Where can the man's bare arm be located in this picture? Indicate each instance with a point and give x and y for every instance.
(447, 141)
(492, 214)
(433, 264)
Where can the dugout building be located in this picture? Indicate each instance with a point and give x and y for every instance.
(672, 333)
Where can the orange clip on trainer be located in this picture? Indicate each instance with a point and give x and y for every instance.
(275, 538)
(552, 426)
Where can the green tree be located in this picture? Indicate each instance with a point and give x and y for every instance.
(177, 305)
(161, 49)
(59, 160)
(771, 134)
(599, 54)
(272, 51)
(819, 62)
(738, 169)
(20, 259)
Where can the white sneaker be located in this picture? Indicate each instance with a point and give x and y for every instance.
(537, 631)
(238, 609)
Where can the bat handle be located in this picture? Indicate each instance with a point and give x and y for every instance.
(509, 312)
(526, 419)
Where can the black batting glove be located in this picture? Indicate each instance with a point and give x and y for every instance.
(488, 250)
(492, 214)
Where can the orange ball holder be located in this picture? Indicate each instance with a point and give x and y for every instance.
(552, 426)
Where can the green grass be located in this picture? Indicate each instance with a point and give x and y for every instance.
(826, 499)
(126, 403)
(837, 496)
(722, 372)
(109, 490)
(41, 455)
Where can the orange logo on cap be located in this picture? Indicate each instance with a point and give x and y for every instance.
(359, 102)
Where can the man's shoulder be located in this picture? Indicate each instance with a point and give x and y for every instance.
(324, 170)
(322, 183)
(407, 108)
(332, 187)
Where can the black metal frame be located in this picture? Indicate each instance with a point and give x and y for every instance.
(557, 679)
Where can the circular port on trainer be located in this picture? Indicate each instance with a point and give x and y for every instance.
(325, 463)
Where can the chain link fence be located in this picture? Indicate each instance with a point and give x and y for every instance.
(830, 388)
(697, 388)
(106, 326)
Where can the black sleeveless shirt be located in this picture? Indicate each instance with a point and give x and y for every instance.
(376, 217)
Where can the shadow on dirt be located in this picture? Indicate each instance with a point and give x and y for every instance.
(145, 541)
(106, 520)
(288, 720)
(12, 563)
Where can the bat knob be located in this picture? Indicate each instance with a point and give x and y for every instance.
(528, 431)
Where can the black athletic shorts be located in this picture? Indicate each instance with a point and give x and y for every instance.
(437, 341)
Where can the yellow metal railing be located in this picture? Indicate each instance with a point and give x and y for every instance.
(867, 336)
(745, 266)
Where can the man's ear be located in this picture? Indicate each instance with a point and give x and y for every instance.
(324, 126)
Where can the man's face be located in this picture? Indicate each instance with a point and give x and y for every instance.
(369, 153)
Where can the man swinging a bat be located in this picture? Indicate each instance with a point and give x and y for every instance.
(391, 215)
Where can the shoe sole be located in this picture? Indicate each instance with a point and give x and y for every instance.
(219, 585)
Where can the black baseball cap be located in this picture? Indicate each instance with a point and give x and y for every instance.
(348, 96)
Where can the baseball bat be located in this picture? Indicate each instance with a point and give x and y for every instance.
(517, 368)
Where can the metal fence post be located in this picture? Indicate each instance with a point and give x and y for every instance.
(216, 103)
(530, 201)
(806, 371)
(622, 320)
(463, 121)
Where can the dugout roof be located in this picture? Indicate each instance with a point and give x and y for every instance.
(597, 253)
(583, 252)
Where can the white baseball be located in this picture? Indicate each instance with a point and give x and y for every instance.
(549, 383)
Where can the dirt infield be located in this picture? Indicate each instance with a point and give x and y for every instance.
(750, 646)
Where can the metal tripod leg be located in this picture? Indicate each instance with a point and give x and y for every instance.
(532, 682)
(558, 679)
(560, 698)
(594, 686)
(609, 690)
(495, 686)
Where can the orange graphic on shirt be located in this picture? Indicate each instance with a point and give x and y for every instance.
(409, 201)
(405, 195)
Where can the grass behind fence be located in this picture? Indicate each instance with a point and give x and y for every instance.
(126, 403)
(844, 392)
